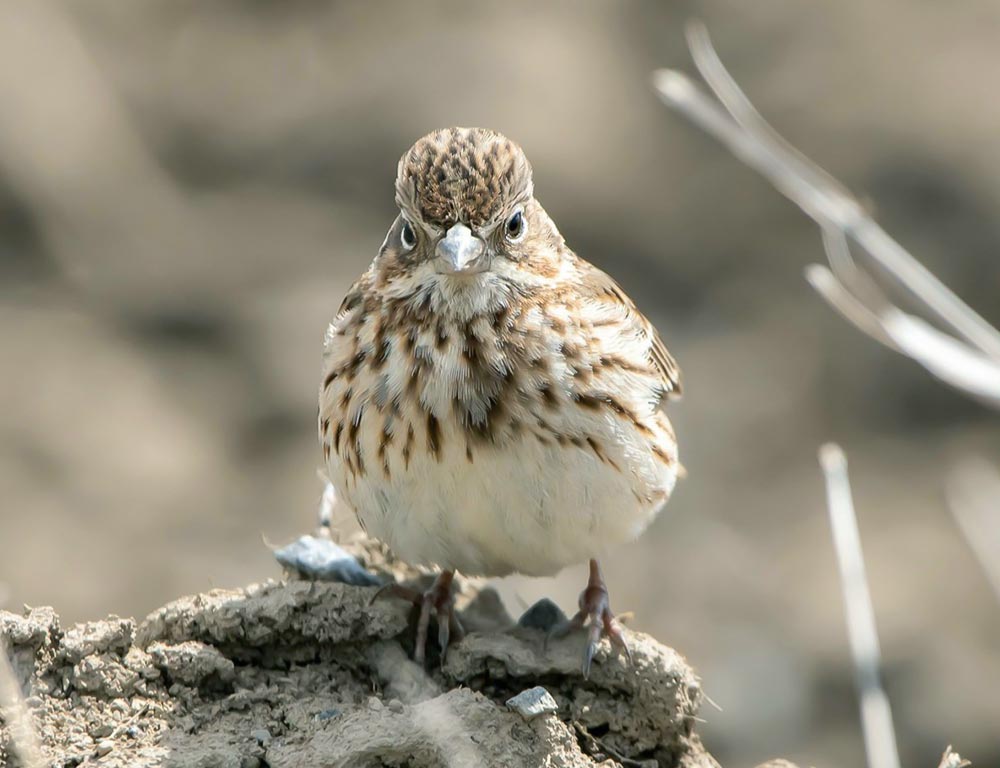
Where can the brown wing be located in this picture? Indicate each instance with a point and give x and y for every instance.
(666, 366)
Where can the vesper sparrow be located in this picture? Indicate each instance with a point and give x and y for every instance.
(490, 401)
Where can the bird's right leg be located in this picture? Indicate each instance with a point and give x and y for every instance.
(438, 601)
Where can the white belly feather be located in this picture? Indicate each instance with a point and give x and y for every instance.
(528, 508)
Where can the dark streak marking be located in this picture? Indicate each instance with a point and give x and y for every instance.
(661, 454)
(545, 390)
(433, 436)
(408, 446)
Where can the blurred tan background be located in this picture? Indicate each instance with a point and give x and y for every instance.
(187, 190)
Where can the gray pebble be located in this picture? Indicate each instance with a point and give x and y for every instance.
(543, 615)
(533, 702)
(262, 735)
(318, 558)
(103, 747)
(395, 705)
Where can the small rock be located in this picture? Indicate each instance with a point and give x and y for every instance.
(103, 747)
(543, 615)
(374, 703)
(191, 663)
(533, 702)
(113, 636)
(317, 558)
(101, 730)
(486, 613)
(395, 705)
(102, 674)
(33, 629)
(262, 735)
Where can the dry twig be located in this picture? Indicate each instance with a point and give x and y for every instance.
(967, 359)
(951, 759)
(876, 714)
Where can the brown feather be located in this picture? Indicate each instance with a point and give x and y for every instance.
(603, 284)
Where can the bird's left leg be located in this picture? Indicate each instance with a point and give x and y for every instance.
(438, 601)
(595, 608)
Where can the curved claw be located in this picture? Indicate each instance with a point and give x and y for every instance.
(595, 613)
(437, 601)
(444, 632)
(593, 638)
(420, 646)
(449, 628)
(614, 632)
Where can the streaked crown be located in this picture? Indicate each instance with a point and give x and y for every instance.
(462, 175)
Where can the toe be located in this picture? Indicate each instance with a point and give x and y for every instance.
(614, 632)
(457, 630)
(444, 633)
(593, 639)
(420, 644)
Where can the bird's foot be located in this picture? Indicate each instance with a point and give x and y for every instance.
(595, 614)
(438, 601)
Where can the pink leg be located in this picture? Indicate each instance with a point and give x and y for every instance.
(438, 601)
(595, 608)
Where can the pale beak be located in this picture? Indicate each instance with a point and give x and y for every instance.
(460, 252)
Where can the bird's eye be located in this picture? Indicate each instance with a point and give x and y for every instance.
(407, 237)
(515, 227)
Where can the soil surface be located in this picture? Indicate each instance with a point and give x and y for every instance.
(301, 673)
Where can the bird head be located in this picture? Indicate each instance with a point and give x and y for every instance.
(468, 225)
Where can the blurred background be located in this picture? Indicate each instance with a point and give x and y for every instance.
(188, 189)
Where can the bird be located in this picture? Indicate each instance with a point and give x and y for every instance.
(491, 403)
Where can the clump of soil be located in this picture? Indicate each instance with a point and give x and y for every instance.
(301, 673)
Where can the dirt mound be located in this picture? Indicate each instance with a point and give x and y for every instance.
(304, 673)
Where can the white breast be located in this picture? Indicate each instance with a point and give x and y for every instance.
(561, 485)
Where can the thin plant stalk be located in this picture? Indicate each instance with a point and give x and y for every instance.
(876, 713)
(968, 360)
